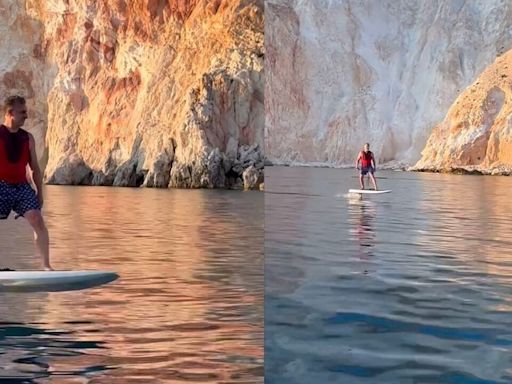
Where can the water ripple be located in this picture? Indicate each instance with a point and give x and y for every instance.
(412, 286)
(188, 306)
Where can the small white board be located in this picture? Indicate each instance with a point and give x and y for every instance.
(368, 191)
(52, 281)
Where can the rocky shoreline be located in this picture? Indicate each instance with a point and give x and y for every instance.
(245, 170)
(501, 171)
(465, 171)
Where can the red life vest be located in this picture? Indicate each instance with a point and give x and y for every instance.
(14, 155)
(366, 159)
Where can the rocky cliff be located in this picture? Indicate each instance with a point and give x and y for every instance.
(341, 73)
(476, 134)
(156, 93)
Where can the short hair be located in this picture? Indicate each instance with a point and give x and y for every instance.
(11, 101)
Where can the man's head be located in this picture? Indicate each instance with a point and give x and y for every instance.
(366, 147)
(15, 111)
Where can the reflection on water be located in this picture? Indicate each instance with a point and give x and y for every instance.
(361, 216)
(188, 306)
(414, 286)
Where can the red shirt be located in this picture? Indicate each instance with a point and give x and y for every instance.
(366, 159)
(14, 155)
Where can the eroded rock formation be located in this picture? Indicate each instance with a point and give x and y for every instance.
(129, 93)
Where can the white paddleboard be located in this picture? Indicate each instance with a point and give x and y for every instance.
(368, 191)
(52, 281)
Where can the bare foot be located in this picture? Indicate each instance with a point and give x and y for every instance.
(48, 268)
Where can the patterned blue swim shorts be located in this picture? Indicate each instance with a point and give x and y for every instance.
(19, 198)
(365, 170)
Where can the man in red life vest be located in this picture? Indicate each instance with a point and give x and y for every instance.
(17, 151)
(367, 165)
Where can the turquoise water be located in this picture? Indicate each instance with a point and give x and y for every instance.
(188, 306)
(414, 286)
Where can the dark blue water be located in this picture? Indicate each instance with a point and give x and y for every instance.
(188, 306)
(414, 286)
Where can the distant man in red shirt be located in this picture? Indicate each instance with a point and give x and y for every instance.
(367, 165)
(17, 158)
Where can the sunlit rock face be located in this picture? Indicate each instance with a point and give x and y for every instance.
(342, 73)
(476, 134)
(129, 93)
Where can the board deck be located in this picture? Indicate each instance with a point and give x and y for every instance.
(368, 191)
(53, 281)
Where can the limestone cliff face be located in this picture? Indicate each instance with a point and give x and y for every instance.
(476, 134)
(154, 93)
(22, 66)
(341, 73)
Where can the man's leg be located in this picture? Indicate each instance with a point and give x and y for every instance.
(361, 180)
(41, 238)
(28, 206)
(373, 180)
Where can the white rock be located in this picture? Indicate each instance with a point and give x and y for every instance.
(342, 73)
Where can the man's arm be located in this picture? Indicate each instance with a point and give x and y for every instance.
(374, 163)
(357, 160)
(37, 177)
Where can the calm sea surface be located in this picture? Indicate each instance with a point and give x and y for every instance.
(187, 308)
(413, 286)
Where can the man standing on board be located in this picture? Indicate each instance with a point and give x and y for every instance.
(17, 157)
(367, 165)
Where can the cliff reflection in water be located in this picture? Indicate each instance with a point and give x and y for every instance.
(188, 304)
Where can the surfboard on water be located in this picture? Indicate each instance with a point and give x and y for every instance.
(368, 191)
(53, 281)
